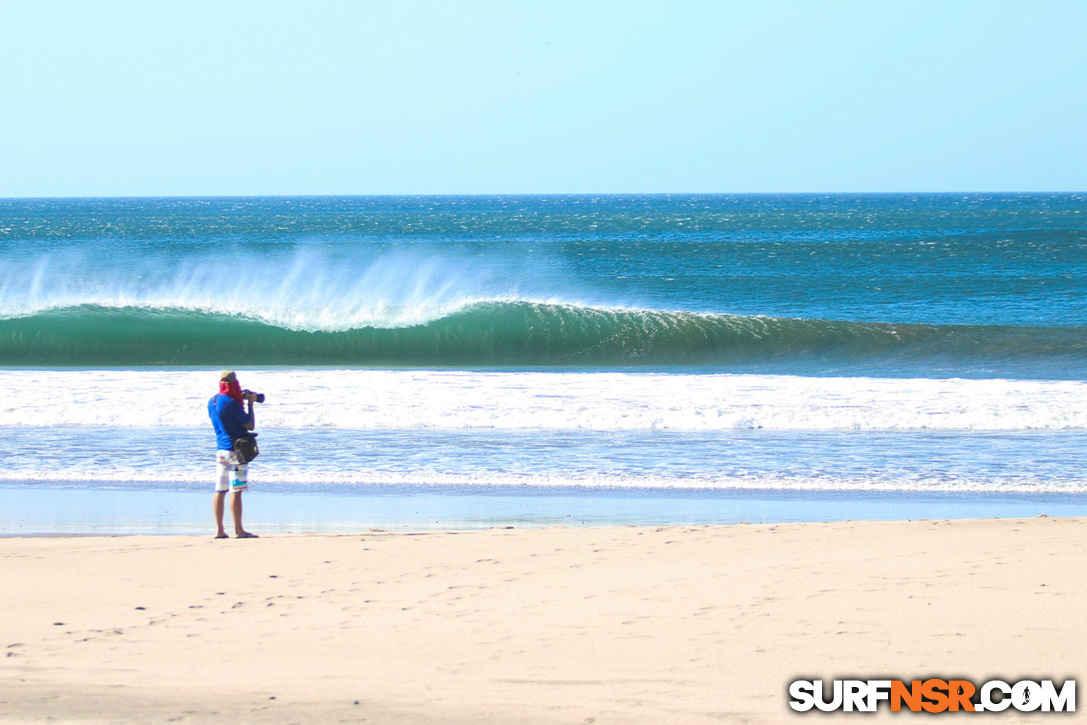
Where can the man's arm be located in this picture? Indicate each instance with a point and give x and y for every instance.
(252, 415)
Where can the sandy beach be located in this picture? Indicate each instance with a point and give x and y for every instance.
(564, 625)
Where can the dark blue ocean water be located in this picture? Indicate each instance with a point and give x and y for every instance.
(766, 343)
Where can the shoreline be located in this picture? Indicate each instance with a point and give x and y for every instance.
(551, 625)
(35, 509)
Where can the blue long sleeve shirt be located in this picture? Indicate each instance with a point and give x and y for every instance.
(230, 421)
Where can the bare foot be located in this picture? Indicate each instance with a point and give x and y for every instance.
(246, 535)
(221, 535)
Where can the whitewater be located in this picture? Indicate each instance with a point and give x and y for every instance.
(585, 401)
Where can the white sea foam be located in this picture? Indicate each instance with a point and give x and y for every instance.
(374, 400)
(172, 474)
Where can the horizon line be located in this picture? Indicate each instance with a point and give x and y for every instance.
(538, 194)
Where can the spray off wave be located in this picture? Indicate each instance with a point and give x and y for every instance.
(299, 290)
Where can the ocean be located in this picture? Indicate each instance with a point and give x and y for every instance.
(560, 354)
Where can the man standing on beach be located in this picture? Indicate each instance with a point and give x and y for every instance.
(231, 421)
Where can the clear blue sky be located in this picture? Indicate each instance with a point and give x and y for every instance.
(391, 97)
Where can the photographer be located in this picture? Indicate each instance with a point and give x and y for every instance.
(235, 447)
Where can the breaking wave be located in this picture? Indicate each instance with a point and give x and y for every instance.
(502, 333)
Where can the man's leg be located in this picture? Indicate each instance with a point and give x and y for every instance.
(236, 511)
(242, 473)
(222, 483)
(219, 503)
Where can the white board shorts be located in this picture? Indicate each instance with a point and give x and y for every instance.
(226, 462)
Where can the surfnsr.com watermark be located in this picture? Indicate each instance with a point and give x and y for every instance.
(932, 695)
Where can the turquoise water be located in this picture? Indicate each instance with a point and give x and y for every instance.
(777, 345)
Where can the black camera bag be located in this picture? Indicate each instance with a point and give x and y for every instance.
(246, 449)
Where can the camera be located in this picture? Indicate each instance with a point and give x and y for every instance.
(259, 397)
